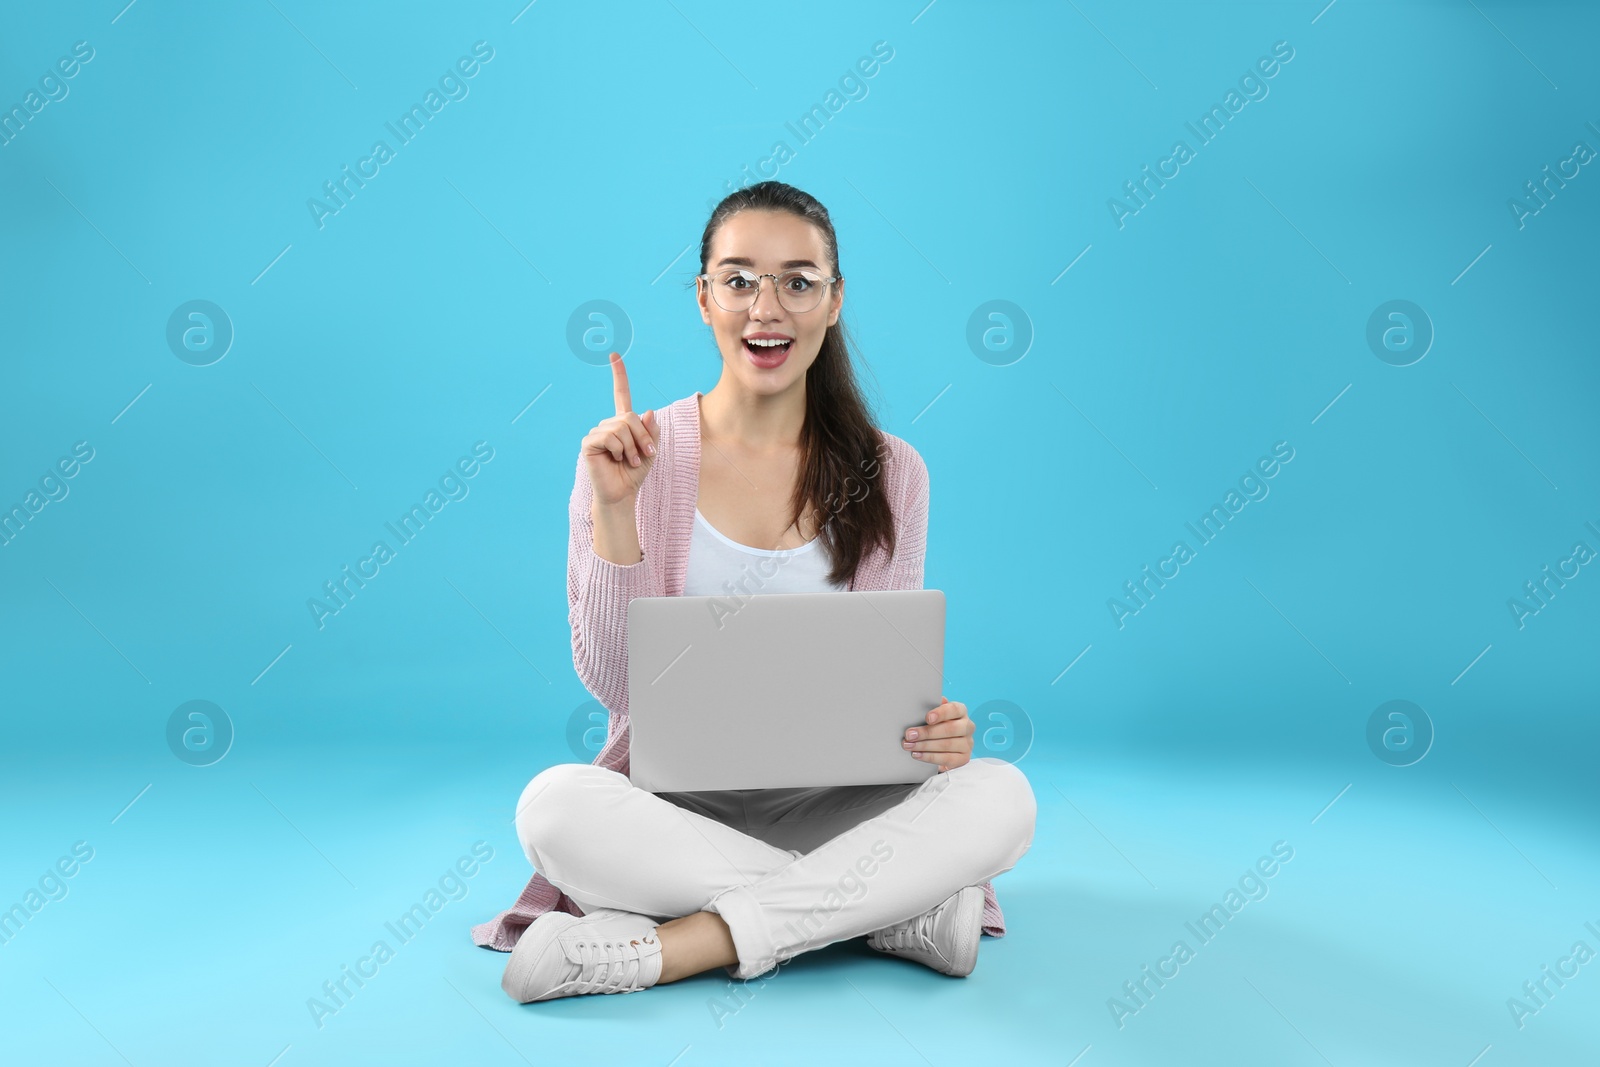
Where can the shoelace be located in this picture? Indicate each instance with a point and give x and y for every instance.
(915, 933)
(618, 964)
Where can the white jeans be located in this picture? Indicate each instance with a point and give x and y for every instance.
(789, 870)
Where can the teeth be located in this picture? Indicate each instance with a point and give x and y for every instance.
(764, 342)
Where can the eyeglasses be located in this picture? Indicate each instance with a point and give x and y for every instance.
(798, 290)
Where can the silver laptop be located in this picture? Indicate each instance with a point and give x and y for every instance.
(781, 690)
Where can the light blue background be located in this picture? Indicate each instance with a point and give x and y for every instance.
(1228, 314)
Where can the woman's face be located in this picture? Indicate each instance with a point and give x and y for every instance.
(769, 242)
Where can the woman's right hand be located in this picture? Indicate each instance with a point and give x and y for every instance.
(621, 449)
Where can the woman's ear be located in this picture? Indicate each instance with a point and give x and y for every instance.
(700, 298)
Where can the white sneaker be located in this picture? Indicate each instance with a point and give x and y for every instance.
(945, 938)
(605, 951)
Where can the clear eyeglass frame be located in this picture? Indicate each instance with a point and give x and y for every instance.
(744, 299)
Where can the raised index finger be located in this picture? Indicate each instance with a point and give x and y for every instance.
(619, 384)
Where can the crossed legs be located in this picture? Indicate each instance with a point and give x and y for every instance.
(866, 857)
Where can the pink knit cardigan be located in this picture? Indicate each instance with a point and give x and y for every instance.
(598, 592)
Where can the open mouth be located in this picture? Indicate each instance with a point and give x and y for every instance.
(767, 348)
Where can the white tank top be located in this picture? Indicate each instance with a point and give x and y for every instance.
(720, 566)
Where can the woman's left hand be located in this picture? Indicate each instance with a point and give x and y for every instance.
(946, 740)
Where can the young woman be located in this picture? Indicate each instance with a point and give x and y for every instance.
(777, 471)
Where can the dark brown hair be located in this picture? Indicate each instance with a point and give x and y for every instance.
(842, 454)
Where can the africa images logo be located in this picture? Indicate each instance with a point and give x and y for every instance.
(452, 86)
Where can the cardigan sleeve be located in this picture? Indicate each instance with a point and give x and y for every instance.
(598, 592)
(911, 522)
